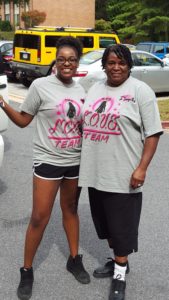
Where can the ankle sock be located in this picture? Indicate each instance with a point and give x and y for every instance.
(120, 271)
(27, 269)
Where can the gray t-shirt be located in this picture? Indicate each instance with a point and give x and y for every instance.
(115, 122)
(57, 106)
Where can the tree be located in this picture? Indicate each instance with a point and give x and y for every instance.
(33, 18)
(102, 25)
(138, 20)
(101, 12)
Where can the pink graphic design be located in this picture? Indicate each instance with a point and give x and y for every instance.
(66, 132)
(100, 122)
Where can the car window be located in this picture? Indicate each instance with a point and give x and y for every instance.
(51, 40)
(105, 42)
(144, 47)
(8, 46)
(3, 48)
(26, 41)
(87, 41)
(143, 59)
(158, 49)
(90, 57)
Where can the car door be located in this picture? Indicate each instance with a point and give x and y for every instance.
(151, 70)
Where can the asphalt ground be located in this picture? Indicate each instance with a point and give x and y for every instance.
(149, 275)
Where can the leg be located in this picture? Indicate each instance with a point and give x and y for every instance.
(44, 193)
(69, 196)
(100, 209)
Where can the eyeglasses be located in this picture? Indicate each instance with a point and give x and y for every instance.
(62, 60)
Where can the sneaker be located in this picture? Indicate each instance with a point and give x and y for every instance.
(75, 266)
(107, 270)
(117, 291)
(24, 291)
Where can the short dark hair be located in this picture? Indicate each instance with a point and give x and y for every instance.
(70, 42)
(121, 51)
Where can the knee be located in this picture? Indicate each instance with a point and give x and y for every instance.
(39, 220)
(70, 208)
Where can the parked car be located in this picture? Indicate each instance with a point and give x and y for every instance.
(6, 55)
(166, 59)
(159, 49)
(130, 46)
(147, 67)
(3, 117)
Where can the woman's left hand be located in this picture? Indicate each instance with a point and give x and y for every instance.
(137, 178)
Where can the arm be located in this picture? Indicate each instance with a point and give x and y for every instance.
(21, 119)
(139, 173)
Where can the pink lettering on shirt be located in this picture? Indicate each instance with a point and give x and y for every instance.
(100, 120)
(66, 131)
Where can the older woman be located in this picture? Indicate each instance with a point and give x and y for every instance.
(121, 129)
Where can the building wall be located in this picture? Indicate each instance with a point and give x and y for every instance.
(75, 13)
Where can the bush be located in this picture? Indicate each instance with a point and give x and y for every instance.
(5, 26)
(102, 25)
(33, 18)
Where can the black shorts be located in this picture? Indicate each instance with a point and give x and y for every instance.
(51, 172)
(116, 216)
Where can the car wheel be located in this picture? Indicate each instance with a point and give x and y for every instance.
(26, 82)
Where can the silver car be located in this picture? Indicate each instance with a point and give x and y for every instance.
(147, 68)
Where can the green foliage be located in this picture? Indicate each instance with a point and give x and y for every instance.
(137, 20)
(102, 25)
(101, 10)
(5, 26)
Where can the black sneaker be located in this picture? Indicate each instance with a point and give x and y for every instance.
(75, 266)
(107, 270)
(117, 291)
(24, 291)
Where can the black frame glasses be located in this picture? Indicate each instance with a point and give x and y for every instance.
(62, 60)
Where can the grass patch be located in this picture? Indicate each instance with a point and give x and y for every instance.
(164, 109)
(4, 35)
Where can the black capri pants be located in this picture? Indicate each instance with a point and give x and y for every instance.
(116, 216)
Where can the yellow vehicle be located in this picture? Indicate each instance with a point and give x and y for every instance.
(35, 48)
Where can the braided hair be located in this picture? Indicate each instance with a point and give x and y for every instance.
(121, 51)
(70, 42)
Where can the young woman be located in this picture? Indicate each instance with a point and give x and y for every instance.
(56, 101)
(121, 129)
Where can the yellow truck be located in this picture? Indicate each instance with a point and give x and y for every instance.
(35, 48)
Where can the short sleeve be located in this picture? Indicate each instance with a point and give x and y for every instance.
(149, 111)
(32, 101)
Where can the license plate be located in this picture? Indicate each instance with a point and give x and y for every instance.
(24, 55)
